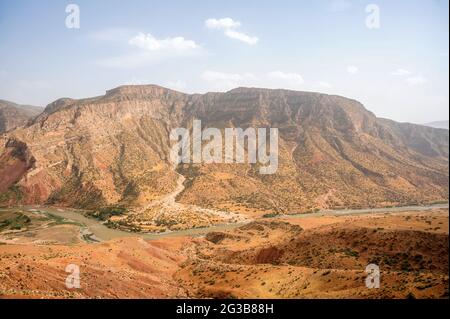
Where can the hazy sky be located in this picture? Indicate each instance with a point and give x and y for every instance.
(399, 70)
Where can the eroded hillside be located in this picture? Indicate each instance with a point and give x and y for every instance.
(113, 150)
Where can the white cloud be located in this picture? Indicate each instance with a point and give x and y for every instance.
(222, 24)
(150, 43)
(241, 37)
(410, 79)
(401, 72)
(416, 80)
(276, 80)
(145, 41)
(352, 69)
(229, 27)
(145, 49)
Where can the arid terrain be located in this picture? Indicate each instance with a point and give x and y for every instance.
(333, 153)
(286, 257)
(89, 183)
(13, 115)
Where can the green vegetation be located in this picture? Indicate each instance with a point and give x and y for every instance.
(123, 225)
(111, 224)
(438, 202)
(270, 215)
(89, 238)
(105, 213)
(15, 221)
(351, 253)
(311, 211)
(58, 220)
(13, 193)
(406, 266)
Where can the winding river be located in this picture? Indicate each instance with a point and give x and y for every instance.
(100, 231)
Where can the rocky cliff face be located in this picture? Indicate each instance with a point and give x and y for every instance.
(114, 150)
(14, 115)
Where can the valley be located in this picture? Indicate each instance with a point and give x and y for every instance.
(89, 182)
(101, 232)
(333, 154)
(308, 256)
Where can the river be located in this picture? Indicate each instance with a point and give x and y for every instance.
(104, 233)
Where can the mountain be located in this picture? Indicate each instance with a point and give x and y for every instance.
(13, 115)
(113, 150)
(438, 124)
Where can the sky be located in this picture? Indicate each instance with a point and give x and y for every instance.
(392, 56)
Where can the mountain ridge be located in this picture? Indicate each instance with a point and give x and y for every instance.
(114, 150)
(13, 115)
(438, 124)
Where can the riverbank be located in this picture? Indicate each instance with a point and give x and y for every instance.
(96, 229)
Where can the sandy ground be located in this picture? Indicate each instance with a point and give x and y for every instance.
(422, 221)
(307, 257)
(122, 268)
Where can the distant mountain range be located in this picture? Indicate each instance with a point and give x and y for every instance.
(438, 124)
(114, 150)
(13, 115)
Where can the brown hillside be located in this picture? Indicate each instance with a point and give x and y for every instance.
(114, 150)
